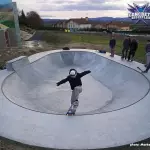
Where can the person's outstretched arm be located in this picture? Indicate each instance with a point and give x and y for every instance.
(84, 73)
(62, 81)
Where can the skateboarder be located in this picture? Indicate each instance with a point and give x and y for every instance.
(126, 46)
(133, 48)
(74, 78)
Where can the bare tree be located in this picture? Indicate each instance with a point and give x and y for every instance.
(34, 20)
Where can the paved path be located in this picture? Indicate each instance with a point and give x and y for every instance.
(36, 36)
(114, 102)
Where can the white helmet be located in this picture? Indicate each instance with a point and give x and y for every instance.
(73, 73)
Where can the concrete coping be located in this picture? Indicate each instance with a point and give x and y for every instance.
(17, 63)
(78, 132)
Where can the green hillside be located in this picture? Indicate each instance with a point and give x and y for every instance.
(8, 23)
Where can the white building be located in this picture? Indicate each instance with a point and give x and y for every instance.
(84, 23)
(78, 23)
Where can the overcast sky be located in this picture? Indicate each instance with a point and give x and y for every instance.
(78, 8)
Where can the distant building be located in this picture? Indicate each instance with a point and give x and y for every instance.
(75, 23)
(60, 24)
(99, 25)
(81, 23)
(84, 23)
(124, 26)
(141, 26)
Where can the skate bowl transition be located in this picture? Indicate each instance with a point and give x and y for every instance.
(113, 106)
(107, 88)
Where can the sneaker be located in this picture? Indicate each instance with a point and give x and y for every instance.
(69, 112)
(76, 103)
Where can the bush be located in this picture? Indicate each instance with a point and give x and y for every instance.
(2, 66)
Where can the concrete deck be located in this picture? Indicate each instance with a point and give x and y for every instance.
(114, 102)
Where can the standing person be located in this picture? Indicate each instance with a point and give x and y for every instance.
(74, 79)
(126, 47)
(133, 48)
(147, 49)
(112, 44)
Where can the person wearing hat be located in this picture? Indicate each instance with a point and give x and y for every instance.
(147, 50)
(74, 78)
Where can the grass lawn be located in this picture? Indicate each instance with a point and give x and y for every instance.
(57, 40)
(64, 38)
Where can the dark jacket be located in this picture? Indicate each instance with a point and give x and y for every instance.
(74, 81)
(134, 45)
(112, 43)
(126, 43)
(147, 48)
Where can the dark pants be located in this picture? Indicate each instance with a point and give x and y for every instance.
(125, 52)
(131, 55)
(112, 51)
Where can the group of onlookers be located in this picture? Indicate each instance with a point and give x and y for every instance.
(129, 49)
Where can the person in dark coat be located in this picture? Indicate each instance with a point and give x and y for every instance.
(133, 48)
(112, 44)
(147, 50)
(126, 47)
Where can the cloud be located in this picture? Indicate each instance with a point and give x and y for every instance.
(47, 16)
(88, 7)
(90, 14)
(41, 1)
(81, 6)
(64, 1)
(140, 1)
(78, 8)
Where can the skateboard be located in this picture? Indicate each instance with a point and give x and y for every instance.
(72, 110)
(140, 69)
